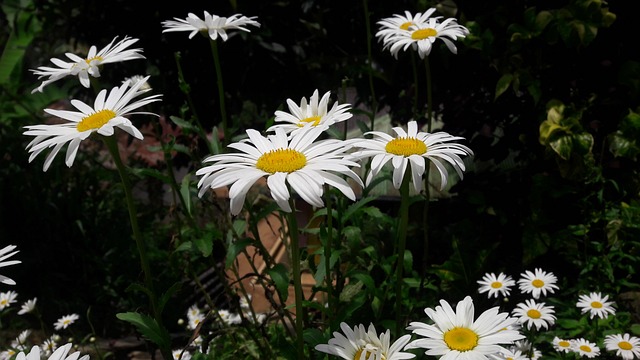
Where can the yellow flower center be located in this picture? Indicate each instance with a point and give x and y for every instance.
(66, 321)
(359, 353)
(625, 345)
(585, 348)
(422, 34)
(281, 160)
(95, 120)
(564, 344)
(89, 60)
(406, 146)
(4, 302)
(534, 314)
(596, 304)
(461, 339)
(537, 283)
(405, 26)
(496, 284)
(315, 120)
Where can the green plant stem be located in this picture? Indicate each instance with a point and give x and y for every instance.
(223, 110)
(427, 192)
(374, 102)
(401, 245)
(112, 145)
(297, 277)
(416, 86)
(327, 256)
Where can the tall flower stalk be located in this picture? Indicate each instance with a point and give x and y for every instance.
(292, 226)
(221, 100)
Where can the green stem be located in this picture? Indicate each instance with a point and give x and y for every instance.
(327, 256)
(401, 245)
(427, 68)
(223, 111)
(374, 102)
(414, 67)
(297, 277)
(427, 192)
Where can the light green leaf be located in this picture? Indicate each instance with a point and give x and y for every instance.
(503, 84)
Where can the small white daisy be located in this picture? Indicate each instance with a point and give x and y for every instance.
(20, 342)
(390, 26)
(5, 253)
(315, 112)
(527, 348)
(89, 65)
(509, 355)
(228, 317)
(496, 285)
(586, 348)
(211, 25)
(596, 305)
(299, 163)
(412, 147)
(107, 113)
(562, 345)
(625, 346)
(194, 321)
(181, 354)
(7, 298)
(458, 334)
(358, 343)
(537, 282)
(28, 306)
(535, 314)
(65, 321)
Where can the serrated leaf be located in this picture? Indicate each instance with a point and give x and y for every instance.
(148, 327)
(280, 276)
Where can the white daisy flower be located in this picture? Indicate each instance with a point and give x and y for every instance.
(625, 346)
(509, 355)
(586, 348)
(28, 306)
(596, 305)
(61, 353)
(359, 343)
(65, 321)
(457, 334)
(299, 163)
(5, 253)
(211, 25)
(316, 112)
(535, 314)
(7, 298)
(194, 321)
(180, 354)
(538, 282)
(228, 317)
(527, 349)
(390, 26)
(107, 113)
(412, 147)
(562, 345)
(422, 36)
(496, 285)
(7, 354)
(89, 65)
(20, 342)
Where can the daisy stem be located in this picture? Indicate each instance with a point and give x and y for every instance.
(401, 245)
(415, 86)
(223, 111)
(374, 103)
(327, 255)
(427, 192)
(292, 223)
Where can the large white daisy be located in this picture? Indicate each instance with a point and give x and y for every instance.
(390, 26)
(365, 344)
(495, 285)
(422, 35)
(5, 253)
(596, 305)
(625, 346)
(537, 282)
(107, 113)
(412, 147)
(456, 335)
(301, 163)
(83, 67)
(61, 353)
(315, 112)
(211, 25)
(535, 314)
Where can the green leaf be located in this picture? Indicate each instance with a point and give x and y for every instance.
(147, 172)
(185, 192)
(353, 208)
(280, 276)
(167, 295)
(236, 248)
(562, 146)
(313, 337)
(204, 245)
(148, 327)
(25, 27)
(183, 123)
(503, 84)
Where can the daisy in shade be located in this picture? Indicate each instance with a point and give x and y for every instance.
(315, 112)
(625, 346)
(586, 348)
(300, 163)
(360, 343)
(535, 314)
(83, 67)
(422, 36)
(7, 298)
(496, 285)
(65, 321)
(211, 25)
(455, 334)
(28, 306)
(390, 26)
(596, 305)
(413, 148)
(562, 345)
(527, 349)
(106, 114)
(538, 282)
(5, 253)
(61, 353)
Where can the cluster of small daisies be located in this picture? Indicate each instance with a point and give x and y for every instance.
(533, 313)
